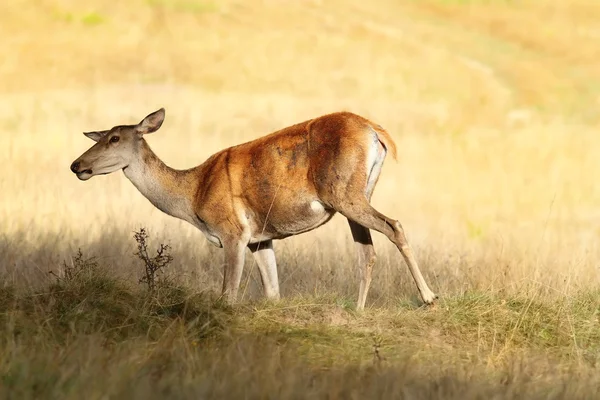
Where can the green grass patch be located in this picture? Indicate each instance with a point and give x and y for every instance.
(103, 306)
(92, 19)
(85, 331)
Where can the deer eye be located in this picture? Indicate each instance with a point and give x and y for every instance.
(114, 139)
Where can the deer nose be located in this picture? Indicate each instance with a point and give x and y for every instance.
(75, 167)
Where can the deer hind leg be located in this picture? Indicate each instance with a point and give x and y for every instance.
(364, 214)
(366, 260)
(265, 259)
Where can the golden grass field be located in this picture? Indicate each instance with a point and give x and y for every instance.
(494, 106)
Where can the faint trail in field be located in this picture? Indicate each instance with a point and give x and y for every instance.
(370, 20)
(485, 71)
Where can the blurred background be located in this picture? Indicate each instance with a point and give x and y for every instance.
(493, 105)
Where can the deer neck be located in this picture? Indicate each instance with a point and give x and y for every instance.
(168, 189)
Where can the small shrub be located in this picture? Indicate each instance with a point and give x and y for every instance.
(76, 269)
(155, 266)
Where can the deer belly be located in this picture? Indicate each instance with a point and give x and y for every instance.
(291, 220)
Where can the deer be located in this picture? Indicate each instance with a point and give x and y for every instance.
(286, 183)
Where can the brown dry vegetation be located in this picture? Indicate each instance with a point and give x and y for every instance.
(494, 106)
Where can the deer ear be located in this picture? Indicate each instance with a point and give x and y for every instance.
(96, 136)
(151, 123)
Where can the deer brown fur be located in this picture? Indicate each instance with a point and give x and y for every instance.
(283, 184)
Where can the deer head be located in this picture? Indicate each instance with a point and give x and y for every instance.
(115, 148)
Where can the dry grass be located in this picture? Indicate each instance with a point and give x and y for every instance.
(495, 115)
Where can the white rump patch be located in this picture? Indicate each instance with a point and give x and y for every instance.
(375, 159)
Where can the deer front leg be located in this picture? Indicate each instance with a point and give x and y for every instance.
(234, 265)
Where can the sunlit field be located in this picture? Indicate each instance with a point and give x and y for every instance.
(494, 107)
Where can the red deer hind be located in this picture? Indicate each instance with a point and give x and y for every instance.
(283, 184)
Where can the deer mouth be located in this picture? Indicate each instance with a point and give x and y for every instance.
(84, 175)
